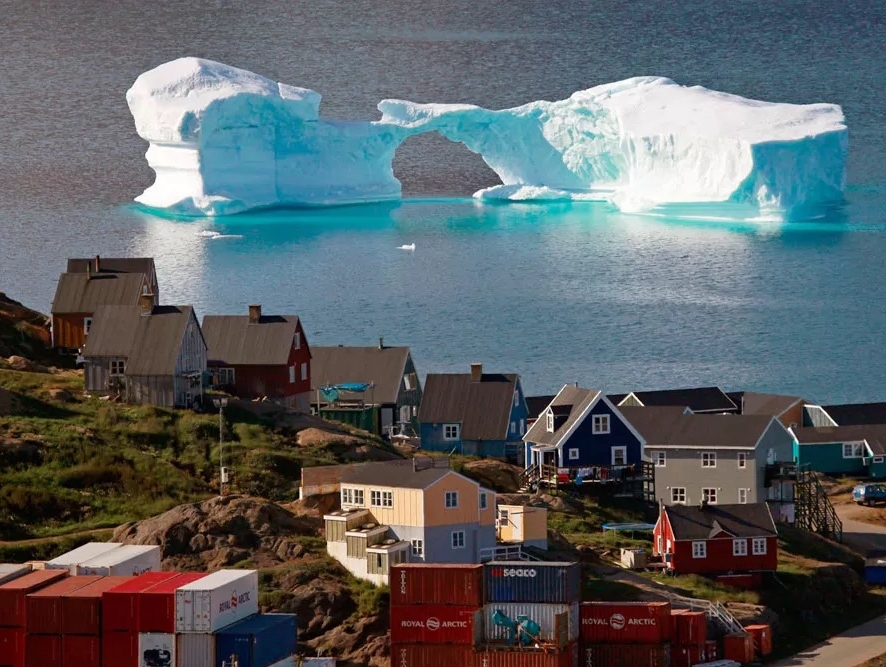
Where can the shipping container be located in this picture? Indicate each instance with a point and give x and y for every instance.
(762, 635)
(558, 623)
(625, 622)
(692, 628)
(688, 656)
(12, 647)
(216, 601)
(82, 651)
(71, 559)
(120, 649)
(711, 650)
(531, 581)
(195, 649)
(569, 657)
(82, 608)
(436, 624)
(738, 647)
(129, 559)
(156, 649)
(43, 608)
(626, 655)
(426, 583)
(260, 641)
(431, 655)
(10, 571)
(319, 662)
(13, 593)
(156, 605)
(120, 604)
(43, 650)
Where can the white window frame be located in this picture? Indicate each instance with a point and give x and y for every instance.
(227, 377)
(418, 548)
(743, 496)
(451, 431)
(292, 375)
(758, 546)
(405, 413)
(117, 367)
(304, 371)
(700, 549)
(573, 453)
(855, 449)
(624, 455)
(407, 381)
(600, 424)
(296, 341)
(503, 517)
(516, 398)
(352, 496)
(739, 547)
(513, 427)
(458, 539)
(661, 459)
(450, 500)
(522, 427)
(484, 501)
(709, 495)
(742, 460)
(549, 421)
(87, 325)
(709, 459)
(678, 495)
(379, 498)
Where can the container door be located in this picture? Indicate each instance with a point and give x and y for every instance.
(561, 629)
(203, 611)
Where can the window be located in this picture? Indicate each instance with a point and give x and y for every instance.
(743, 496)
(291, 374)
(450, 431)
(660, 544)
(451, 499)
(742, 459)
(87, 325)
(458, 539)
(601, 424)
(296, 341)
(709, 459)
(118, 367)
(418, 548)
(522, 427)
(351, 496)
(853, 450)
(739, 547)
(660, 459)
(513, 427)
(619, 456)
(381, 498)
(304, 372)
(699, 550)
(226, 376)
(678, 494)
(573, 453)
(709, 495)
(758, 547)
(484, 501)
(503, 517)
(405, 413)
(410, 382)
(516, 398)
(878, 459)
(550, 421)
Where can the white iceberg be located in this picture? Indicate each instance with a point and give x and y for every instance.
(223, 140)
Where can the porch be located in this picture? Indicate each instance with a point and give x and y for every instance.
(630, 481)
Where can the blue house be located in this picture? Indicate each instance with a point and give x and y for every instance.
(476, 413)
(582, 428)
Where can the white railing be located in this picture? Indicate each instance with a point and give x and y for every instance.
(505, 552)
(714, 611)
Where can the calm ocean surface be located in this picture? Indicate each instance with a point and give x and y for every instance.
(558, 293)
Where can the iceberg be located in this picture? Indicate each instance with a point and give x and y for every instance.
(223, 140)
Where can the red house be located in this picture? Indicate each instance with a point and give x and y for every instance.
(260, 356)
(717, 539)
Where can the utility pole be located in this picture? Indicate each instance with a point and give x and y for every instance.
(221, 404)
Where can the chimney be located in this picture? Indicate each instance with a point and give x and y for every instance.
(476, 372)
(146, 303)
(88, 270)
(254, 314)
(97, 263)
(381, 343)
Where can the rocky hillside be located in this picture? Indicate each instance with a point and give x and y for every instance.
(24, 333)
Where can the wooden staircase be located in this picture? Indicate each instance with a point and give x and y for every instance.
(813, 508)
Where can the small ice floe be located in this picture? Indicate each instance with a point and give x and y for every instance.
(406, 246)
(207, 234)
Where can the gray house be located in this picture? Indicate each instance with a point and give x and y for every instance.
(714, 458)
(148, 354)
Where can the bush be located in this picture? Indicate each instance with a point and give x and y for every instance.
(92, 475)
(25, 504)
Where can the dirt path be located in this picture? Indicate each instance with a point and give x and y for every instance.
(53, 538)
(864, 528)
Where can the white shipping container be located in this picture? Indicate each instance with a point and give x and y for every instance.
(542, 613)
(156, 648)
(318, 662)
(70, 560)
(129, 559)
(216, 601)
(195, 650)
(10, 571)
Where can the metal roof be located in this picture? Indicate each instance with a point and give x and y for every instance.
(234, 341)
(698, 399)
(668, 426)
(143, 265)
(537, 404)
(84, 293)
(408, 474)
(753, 403)
(572, 400)
(692, 522)
(852, 414)
(873, 434)
(383, 366)
(482, 408)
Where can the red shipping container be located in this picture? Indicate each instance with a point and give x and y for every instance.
(626, 655)
(120, 649)
(762, 635)
(81, 651)
(82, 609)
(711, 650)
(436, 624)
(156, 605)
(739, 647)
(625, 622)
(688, 656)
(12, 647)
(569, 657)
(43, 651)
(120, 604)
(426, 583)
(692, 628)
(12, 595)
(43, 608)
(425, 655)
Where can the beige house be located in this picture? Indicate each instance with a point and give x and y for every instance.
(526, 526)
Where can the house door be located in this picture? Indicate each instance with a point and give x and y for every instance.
(517, 526)
(387, 419)
(549, 458)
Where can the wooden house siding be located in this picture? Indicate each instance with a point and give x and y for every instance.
(69, 330)
(631, 400)
(487, 516)
(407, 510)
(828, 458)
(793, 416)
(151, 390)
(596, 449)
(683, 470)
(468, 510)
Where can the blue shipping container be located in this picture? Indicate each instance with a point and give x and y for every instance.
(532, 581)
(257, 641)
(875, 574)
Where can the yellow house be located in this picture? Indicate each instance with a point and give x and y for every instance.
(517, 524)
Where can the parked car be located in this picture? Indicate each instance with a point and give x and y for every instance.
(868, 494)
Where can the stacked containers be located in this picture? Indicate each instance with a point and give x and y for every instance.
(127, 560)
(82, 622)
(43, 621)
(259, 641)
(71, 559)
(738, 647)
(623, 634)
(13, 612)
(155, 621)
(10, 571)
(690, 635)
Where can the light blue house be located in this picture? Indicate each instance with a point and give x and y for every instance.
(858, 450)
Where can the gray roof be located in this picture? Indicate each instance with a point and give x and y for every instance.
(482, 408)
(143, 265)
(409, 474)
(233, 340)
(851, 414)
(692, 522)
(698, 399)
(82, 293)
(873, 434)
(537, 404)
(670, 427)
(382, 366)
(753, 403)
(572, 402)
(150, 343)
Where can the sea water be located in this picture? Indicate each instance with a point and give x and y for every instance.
(556, 292)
